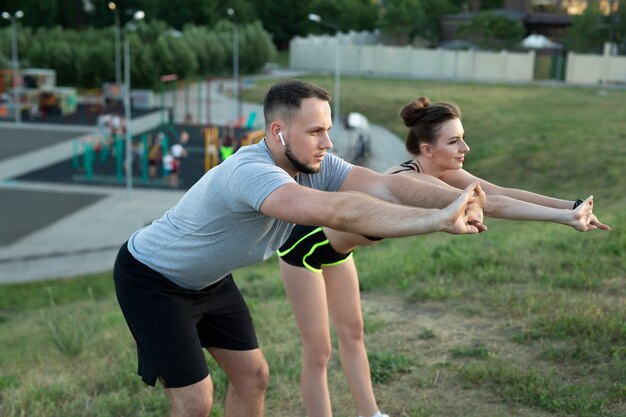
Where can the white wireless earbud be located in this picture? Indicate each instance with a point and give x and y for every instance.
(282, 140)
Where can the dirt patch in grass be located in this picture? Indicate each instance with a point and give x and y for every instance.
(430, 333)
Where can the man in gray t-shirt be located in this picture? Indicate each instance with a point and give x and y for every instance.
(173, 278)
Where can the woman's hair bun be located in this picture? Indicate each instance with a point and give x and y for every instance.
(414, 111)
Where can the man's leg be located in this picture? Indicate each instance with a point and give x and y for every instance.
(307, 295)
(191, 401)
(248, 376)
(344, 304)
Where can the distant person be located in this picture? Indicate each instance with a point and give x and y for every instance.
(104, 130)
(155, 155)
(171, 169)
(174, 159)
(320, 276)
(116, 132)
(33, 111)
(179, 149)
(360, 148)
(173, 277)
(138, 152)
(227, 148)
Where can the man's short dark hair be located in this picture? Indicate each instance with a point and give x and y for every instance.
(284, 98)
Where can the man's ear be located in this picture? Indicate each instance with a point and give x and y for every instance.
(275, 128)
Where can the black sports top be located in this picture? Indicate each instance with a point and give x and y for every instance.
(406, 166)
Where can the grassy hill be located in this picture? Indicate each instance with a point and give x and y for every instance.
(528, 319)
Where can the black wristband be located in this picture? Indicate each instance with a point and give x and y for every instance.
(577, 203)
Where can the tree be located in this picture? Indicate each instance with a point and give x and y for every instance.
(284, 19)
(617, 24)
(587, 33)
(210, 53)
(402, 19)
(347, 15)
(37, 13)
(256, 47)
(430, 28)
(493, 31)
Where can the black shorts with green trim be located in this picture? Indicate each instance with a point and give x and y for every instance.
(308, 247)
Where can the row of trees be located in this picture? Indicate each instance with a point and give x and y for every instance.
(86, 58)
(283, 19)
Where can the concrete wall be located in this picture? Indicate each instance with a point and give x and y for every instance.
(319, 54)
(596, 69)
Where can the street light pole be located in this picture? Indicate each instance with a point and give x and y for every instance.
(16, 64)
(138, 15)
(118, 63)
(231, 12)
(336, 98)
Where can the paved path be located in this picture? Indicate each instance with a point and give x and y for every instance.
(41, 240)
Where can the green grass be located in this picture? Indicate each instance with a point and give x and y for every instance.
(528, 319)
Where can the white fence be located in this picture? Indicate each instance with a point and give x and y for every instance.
(596, 69)
(318, 54)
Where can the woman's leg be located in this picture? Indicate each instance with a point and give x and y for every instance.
(307, 294)
(344, 304)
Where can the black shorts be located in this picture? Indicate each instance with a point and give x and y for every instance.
(308, 247)
(171, 324)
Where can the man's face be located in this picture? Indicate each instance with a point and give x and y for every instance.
(306, 138)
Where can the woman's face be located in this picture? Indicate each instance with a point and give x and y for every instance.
(450, 149)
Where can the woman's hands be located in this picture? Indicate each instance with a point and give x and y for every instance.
(583, 219)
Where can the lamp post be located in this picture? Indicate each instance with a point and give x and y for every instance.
(231, 13)
(16, 65)
(118, 63)
(138, 15)
(317, 19)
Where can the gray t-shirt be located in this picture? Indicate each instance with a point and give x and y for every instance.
(217, 227)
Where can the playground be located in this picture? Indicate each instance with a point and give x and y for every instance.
(100, 160)
(211, 125)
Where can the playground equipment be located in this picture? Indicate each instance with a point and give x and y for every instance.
(100, 158)
(89, 150)
(212, 144)
(85, 149)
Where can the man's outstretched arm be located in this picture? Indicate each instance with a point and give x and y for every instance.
(360, 213)
(400, 189)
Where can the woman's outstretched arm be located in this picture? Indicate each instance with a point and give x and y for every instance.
(581, 219)
(458, 177)
(501, 204)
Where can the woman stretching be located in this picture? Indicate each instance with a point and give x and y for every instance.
(320, 276)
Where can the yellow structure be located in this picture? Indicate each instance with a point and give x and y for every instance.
(212, 144)
(253, 137)
(211, 148)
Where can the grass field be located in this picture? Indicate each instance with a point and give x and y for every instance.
(528, 319)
